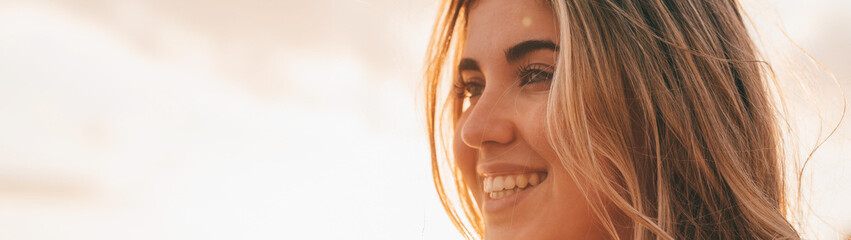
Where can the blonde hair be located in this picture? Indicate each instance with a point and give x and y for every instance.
(672, 88)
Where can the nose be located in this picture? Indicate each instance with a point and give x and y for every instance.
(489, 122)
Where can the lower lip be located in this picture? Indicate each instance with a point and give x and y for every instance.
(507, 203)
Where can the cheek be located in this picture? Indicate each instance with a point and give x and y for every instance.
(532, 125)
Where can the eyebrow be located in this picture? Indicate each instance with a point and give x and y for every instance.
(521, 49)
(513, 53)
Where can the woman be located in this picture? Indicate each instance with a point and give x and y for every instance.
(604, 119)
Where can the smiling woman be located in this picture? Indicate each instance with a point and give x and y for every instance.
(604, 120)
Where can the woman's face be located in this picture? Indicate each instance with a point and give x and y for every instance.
(500, 144)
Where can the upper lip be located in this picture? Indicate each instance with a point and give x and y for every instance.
(505, 167)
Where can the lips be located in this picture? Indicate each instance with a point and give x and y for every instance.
(506, 184)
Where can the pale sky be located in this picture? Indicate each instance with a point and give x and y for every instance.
(189, 119)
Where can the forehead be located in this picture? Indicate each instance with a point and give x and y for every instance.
(495, 25)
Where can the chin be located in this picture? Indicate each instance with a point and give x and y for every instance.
(550, 209)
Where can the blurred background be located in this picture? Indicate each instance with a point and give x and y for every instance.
(188, 119)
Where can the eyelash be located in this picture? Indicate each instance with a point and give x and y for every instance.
(525, 73)
(528, 71)
(463, 88)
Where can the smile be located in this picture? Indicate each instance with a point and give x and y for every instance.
(497, 187)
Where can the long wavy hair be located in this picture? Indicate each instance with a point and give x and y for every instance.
(664, 106)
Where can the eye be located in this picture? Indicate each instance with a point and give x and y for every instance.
(468, 88)
(535, 75)
(472, 89)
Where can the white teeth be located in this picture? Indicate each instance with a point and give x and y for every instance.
(508, 183)
(522, 180)
(497, 184)
(534, 179)
(503, 193)
(501, 186)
